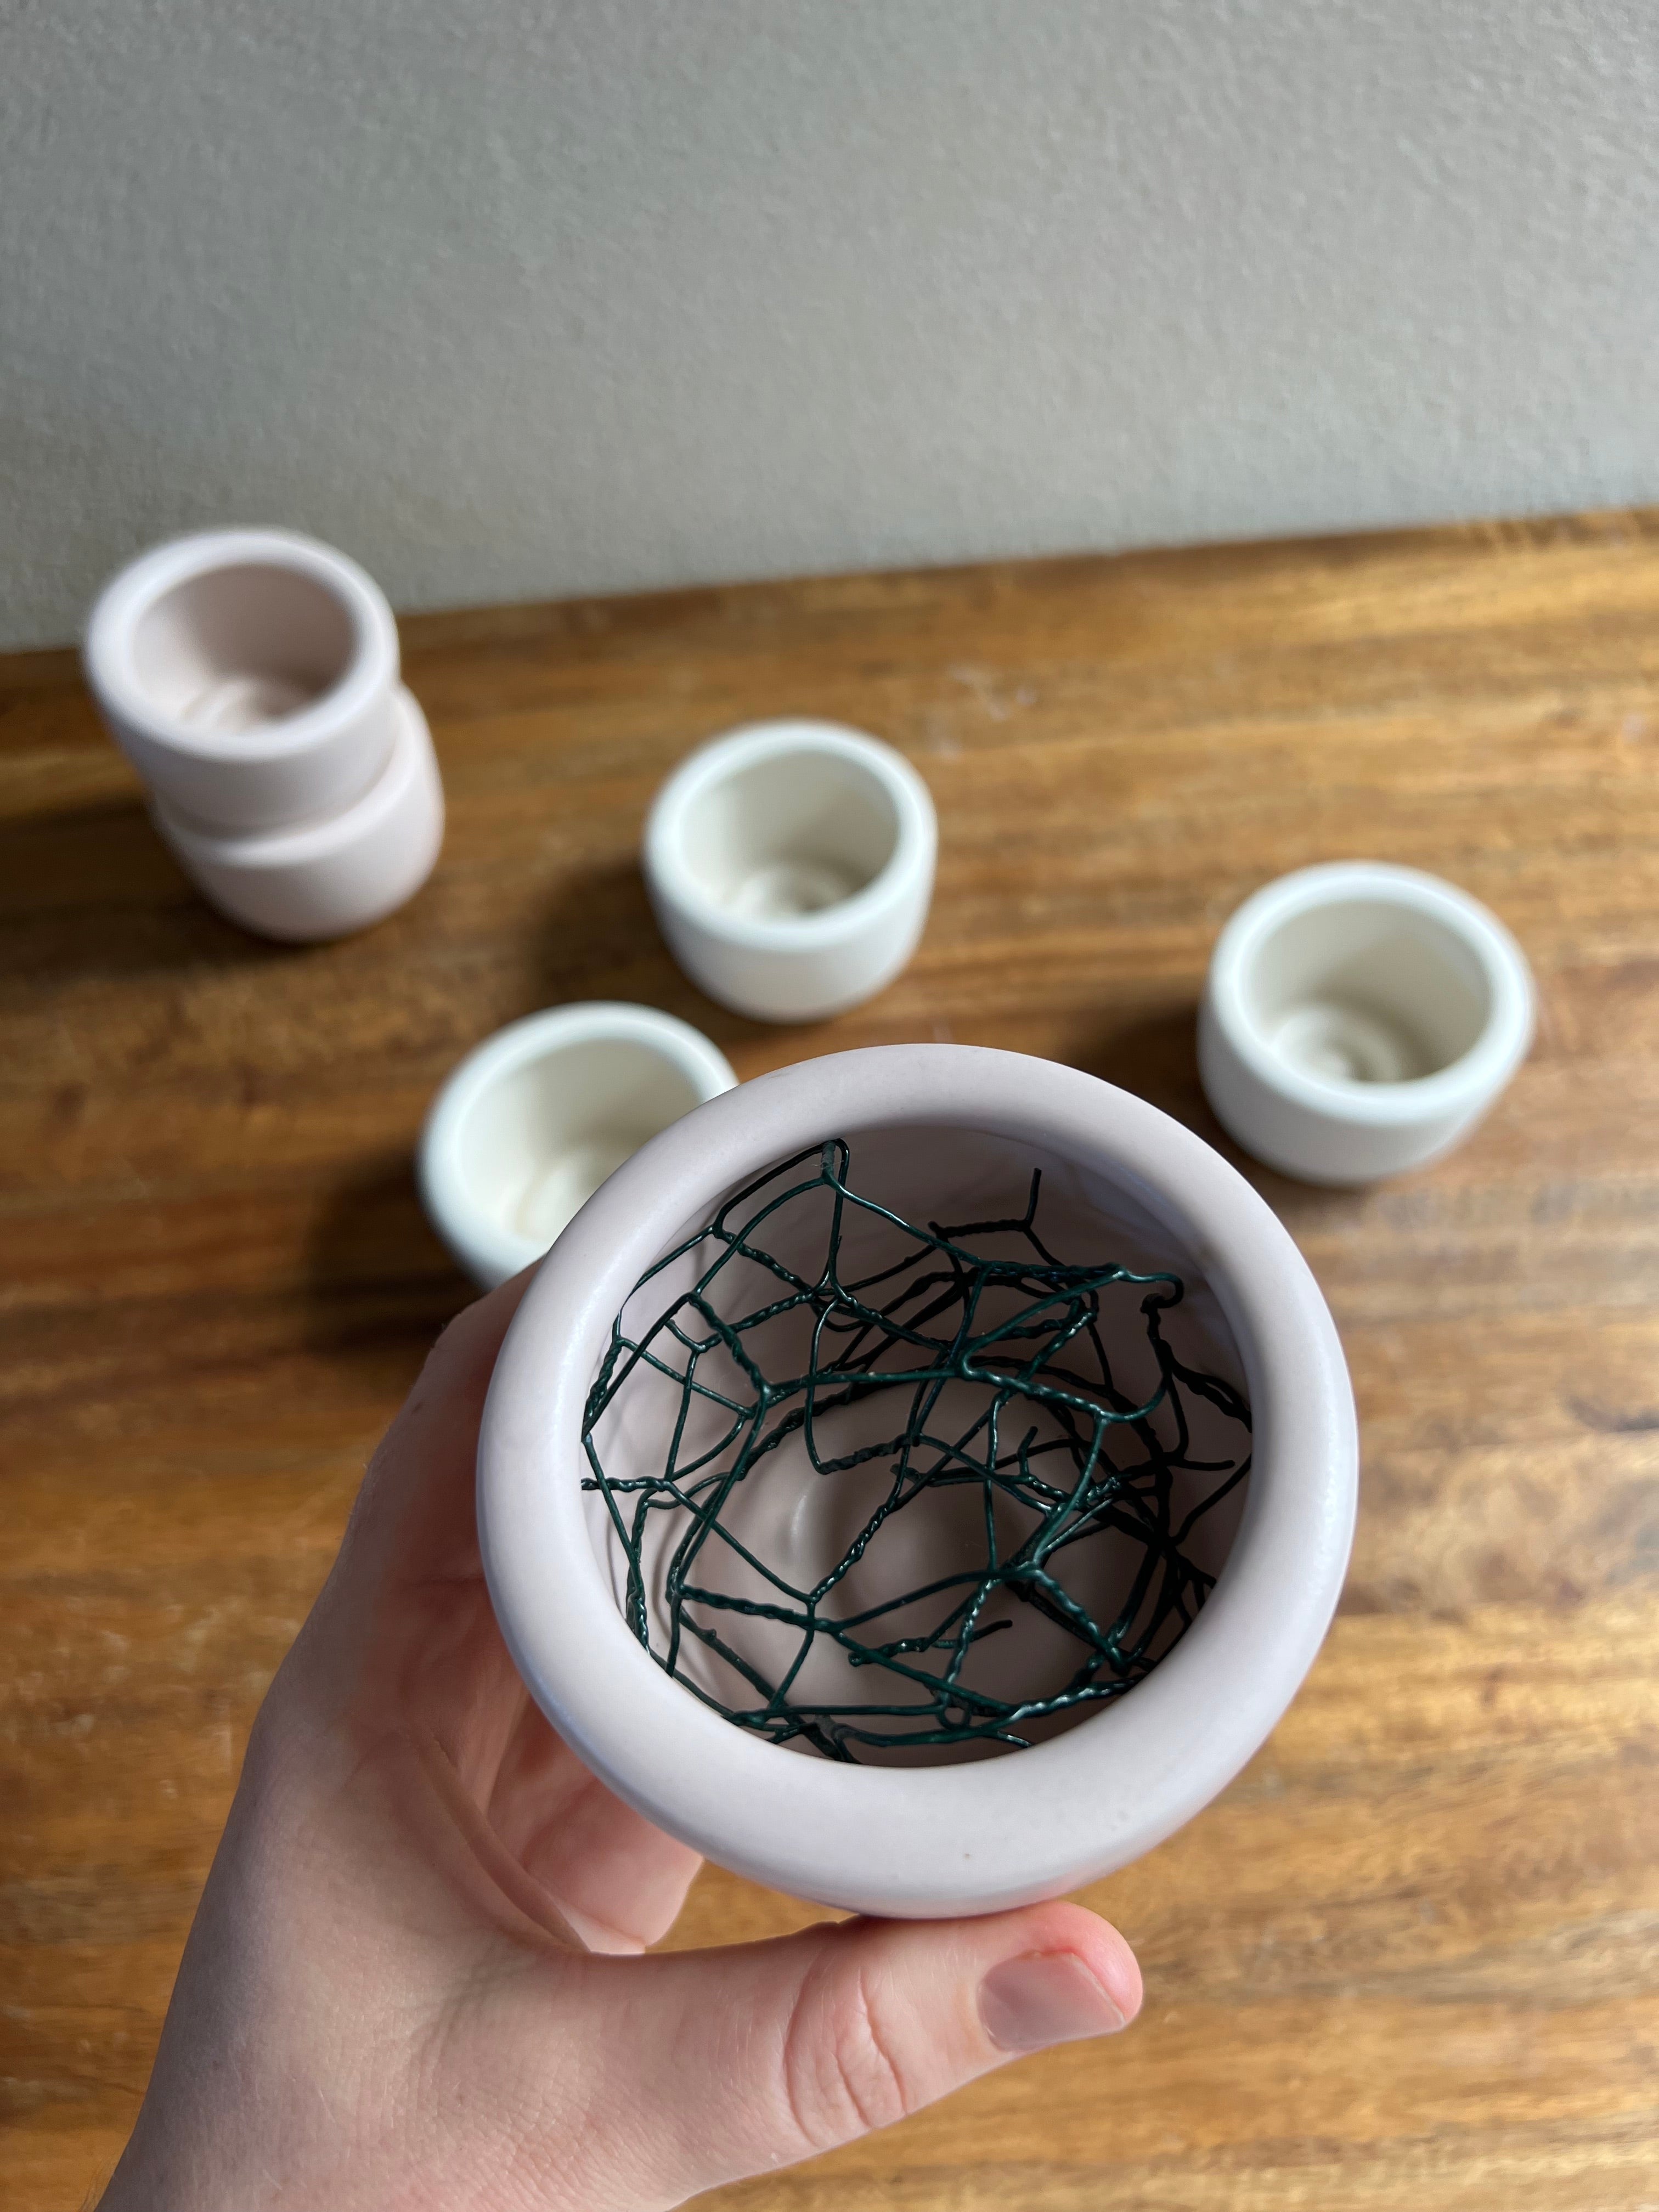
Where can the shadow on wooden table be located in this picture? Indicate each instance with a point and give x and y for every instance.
(90, 893)
(380, 1284)
(1154, 1054)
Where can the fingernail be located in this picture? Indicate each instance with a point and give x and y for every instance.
(1050, 1997)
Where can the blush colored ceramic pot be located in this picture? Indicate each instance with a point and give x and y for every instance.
(937, 1132)
(250, 675)
(327, 874)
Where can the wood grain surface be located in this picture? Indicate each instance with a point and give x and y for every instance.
(1412, 1958)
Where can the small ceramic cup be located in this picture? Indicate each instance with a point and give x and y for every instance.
(334, 873)
(1359, 1019)
(937, 1132)
(531, 1123)
(790, 865)
(250, 675)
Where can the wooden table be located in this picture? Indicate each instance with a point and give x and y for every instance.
(1412, 1958)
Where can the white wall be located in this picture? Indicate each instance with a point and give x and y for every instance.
(515, 298)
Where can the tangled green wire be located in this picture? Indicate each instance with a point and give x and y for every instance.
(1060, 1456)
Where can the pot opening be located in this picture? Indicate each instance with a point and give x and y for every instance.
(1366, 990)
(536, 1143)
(235, 648)
(920, 1448)
(791, 835)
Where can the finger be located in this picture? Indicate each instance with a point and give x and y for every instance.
(703, 2067)
(403, 1624)
(614, 1879)
(414, 1518)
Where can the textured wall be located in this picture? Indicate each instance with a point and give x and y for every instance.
(515, 298)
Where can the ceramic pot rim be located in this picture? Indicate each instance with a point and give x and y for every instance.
(1474, 1077)
(111, 627)
(313, 837)
(751, 743)
(990, 1833)
(491, 1251)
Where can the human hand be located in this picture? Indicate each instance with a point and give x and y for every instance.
(414, 1980)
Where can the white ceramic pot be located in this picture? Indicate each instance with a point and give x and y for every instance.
(791, 864)
(531, 1123)
(1359, 1019)
(250, 675)
(947, 1133)
(334, 873)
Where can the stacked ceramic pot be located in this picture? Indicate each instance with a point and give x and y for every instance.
(251, 677)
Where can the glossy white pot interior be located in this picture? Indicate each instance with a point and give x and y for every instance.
(529, 1125)
(790, 866)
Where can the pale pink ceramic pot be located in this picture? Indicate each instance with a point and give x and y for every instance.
(250, 675)
(951, 1133)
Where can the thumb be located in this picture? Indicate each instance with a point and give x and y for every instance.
(702, 2067)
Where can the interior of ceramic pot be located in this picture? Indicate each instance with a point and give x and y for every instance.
(537, 1143)
(881, 1552)
(789, 835)
(1367, 991)
(234, 648)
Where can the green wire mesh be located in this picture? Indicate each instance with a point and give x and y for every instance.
(996, 1367)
